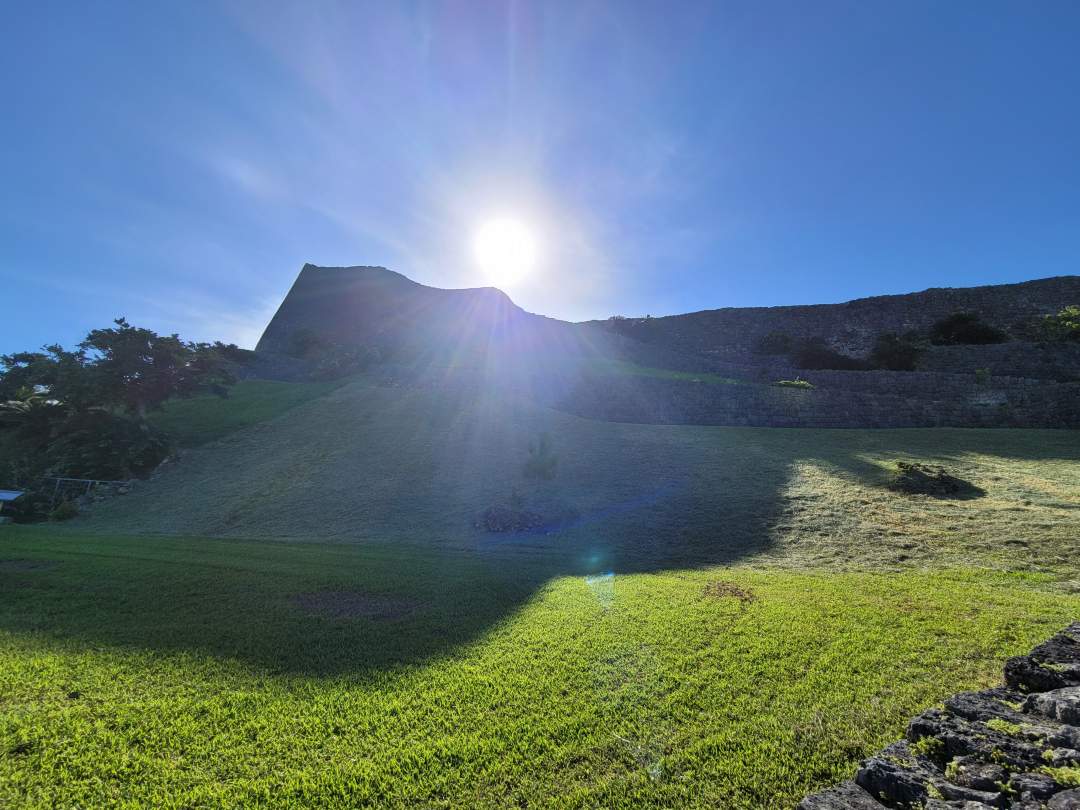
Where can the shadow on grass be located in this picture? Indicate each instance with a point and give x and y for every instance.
(330, 609)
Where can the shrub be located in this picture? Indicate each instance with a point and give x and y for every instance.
(32, 506)
(895, 352)
(774, 343)
(816, 354)
(542, 460)
(101, 445)
(965, 328)
(65, 510)
(340, 361)
(796, 383)
(982, 376)
(304, 343)
(1065, 326)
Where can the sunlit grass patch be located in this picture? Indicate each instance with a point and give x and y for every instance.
(181, 672)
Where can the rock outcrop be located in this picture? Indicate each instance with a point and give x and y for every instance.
(1016, 746)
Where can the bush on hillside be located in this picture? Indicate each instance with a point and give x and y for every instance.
(815, 353)
(895, 352)
(305, 343)
(1062, 327)
(341, 361)
(65, 510)
(965, 329)
(32, 506)
(104, 446)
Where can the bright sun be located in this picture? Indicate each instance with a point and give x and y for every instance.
(505, 250)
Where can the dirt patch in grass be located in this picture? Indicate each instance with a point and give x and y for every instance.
(24, 566)
(355, 605)
(722, 589)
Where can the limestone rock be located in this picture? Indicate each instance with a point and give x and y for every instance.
(1058, 704)
(1069, 800)
(846, 796)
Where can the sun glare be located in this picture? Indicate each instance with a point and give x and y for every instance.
(505, 250)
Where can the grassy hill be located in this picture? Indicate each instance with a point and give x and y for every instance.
(368, 462)
(300, 611)
(202, 419)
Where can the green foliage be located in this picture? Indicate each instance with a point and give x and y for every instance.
(798, 382)
(101, 445)
(1068, 777)
(65, 510)
(982, 376)
(138, 370)
(542, 461)
(62, 413)
(198, 681)
(1003, 726)
(306, 343)
(815, 353)
(32, 506)
(329, 360)
(1062, 327)
(341, 361)
(895, 352)
(965, 328)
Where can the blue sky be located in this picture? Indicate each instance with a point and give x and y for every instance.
(177, 163)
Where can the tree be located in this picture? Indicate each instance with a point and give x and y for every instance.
(815, 353)
(70, 413)
(137, 370)
(965, 328)
(895, 352)
(1064, 326)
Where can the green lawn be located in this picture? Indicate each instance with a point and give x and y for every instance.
(714, 617)
(180, 672)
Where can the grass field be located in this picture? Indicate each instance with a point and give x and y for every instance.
(714, 616)
(187, 672)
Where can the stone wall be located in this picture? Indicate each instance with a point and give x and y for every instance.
(1046, 361)
(731, 334)
(877, 399)
(1013, 746)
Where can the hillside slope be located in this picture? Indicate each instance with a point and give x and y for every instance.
(369, 462)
